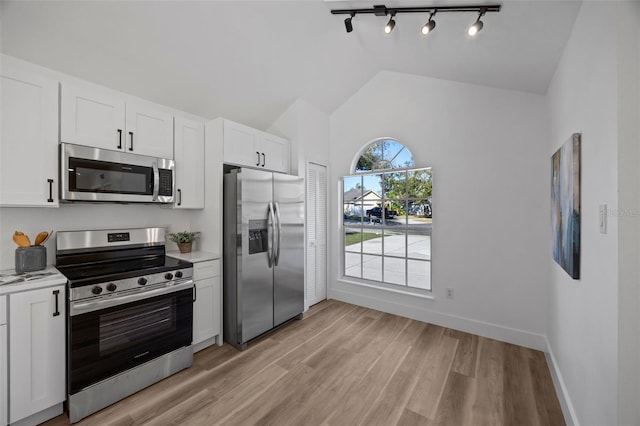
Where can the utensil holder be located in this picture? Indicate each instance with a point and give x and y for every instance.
(29, 259)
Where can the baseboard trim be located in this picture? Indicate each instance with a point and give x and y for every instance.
(480, 328)
(561, 390)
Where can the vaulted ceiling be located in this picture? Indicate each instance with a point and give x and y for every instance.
(249, 60)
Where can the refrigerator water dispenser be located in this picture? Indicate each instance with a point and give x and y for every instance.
(258, 235)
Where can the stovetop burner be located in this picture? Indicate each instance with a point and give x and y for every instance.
(97, 257)
(96, 273)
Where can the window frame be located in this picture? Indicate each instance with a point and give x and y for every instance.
(363, 227)
(356, 159)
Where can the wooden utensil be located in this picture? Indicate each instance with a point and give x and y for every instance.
(41, 237)
(47, 238)
(21, 240)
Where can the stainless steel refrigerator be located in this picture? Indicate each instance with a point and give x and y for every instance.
(263, 257)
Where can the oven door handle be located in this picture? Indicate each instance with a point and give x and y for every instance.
(78, 308)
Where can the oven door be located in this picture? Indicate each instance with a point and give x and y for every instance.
(105, 342)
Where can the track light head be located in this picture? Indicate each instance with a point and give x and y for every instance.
(347, 23)
(390, 25)
(477, 26)
(473, 29)
(429, 26)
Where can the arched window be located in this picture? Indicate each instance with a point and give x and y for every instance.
(383, 154)
(387, 218)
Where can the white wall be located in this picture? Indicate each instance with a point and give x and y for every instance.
(628, 216)
(209, 220)
(583, 314)
(489, 153)
(308, 130)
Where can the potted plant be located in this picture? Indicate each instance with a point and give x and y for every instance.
(183, 240)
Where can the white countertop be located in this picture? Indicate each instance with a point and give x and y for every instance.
(195, 256)
(10, 282)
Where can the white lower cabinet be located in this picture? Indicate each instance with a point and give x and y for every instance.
(3, 361)
(36, 351)
(207, 307)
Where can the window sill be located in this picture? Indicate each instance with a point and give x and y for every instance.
(422, 294)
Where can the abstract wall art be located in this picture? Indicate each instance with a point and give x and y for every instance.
(565, 206)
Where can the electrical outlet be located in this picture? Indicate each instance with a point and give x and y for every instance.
(449, 293)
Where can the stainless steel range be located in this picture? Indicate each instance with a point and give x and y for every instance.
(130, 314)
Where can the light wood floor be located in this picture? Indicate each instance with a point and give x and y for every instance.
(347, 365)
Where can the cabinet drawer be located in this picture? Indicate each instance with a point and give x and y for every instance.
(3, 310)
(202, 270)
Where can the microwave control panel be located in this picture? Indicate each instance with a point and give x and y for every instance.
(166, 182)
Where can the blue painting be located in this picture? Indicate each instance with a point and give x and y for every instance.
(565, 206)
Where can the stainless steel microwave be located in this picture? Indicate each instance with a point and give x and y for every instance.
(92, 174)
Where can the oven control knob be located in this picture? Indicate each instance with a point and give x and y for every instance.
(96, 290)
(142, 281)
(112, 287)
(168, 276)
(179, 274)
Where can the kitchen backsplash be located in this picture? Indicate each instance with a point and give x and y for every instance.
(83, 216)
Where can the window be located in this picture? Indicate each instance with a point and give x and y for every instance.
(387, 218)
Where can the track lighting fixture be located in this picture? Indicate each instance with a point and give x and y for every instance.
(429, 26)
(477, 26)
(347, 23)
(390, 25)
(382, 10)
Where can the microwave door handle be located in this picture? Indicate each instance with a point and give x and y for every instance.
(156, 180)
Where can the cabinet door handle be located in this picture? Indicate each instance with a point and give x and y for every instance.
(119, 138)
(50, 199)
(195, 292)
(131, 146)
(258, 163)
(57, 312)
(179, 197)
(263, 159)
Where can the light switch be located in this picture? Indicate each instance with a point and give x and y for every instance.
(603, 218)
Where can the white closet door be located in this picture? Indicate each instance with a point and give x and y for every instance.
(316, 233)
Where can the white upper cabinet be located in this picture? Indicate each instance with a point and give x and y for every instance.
(149, 131)
(29, 144)
(245, 146)
(241, 144)
(94, 118)
(189, 157)
(276, 153)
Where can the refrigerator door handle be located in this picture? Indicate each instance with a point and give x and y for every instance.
(270, 235)
(279, 239)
